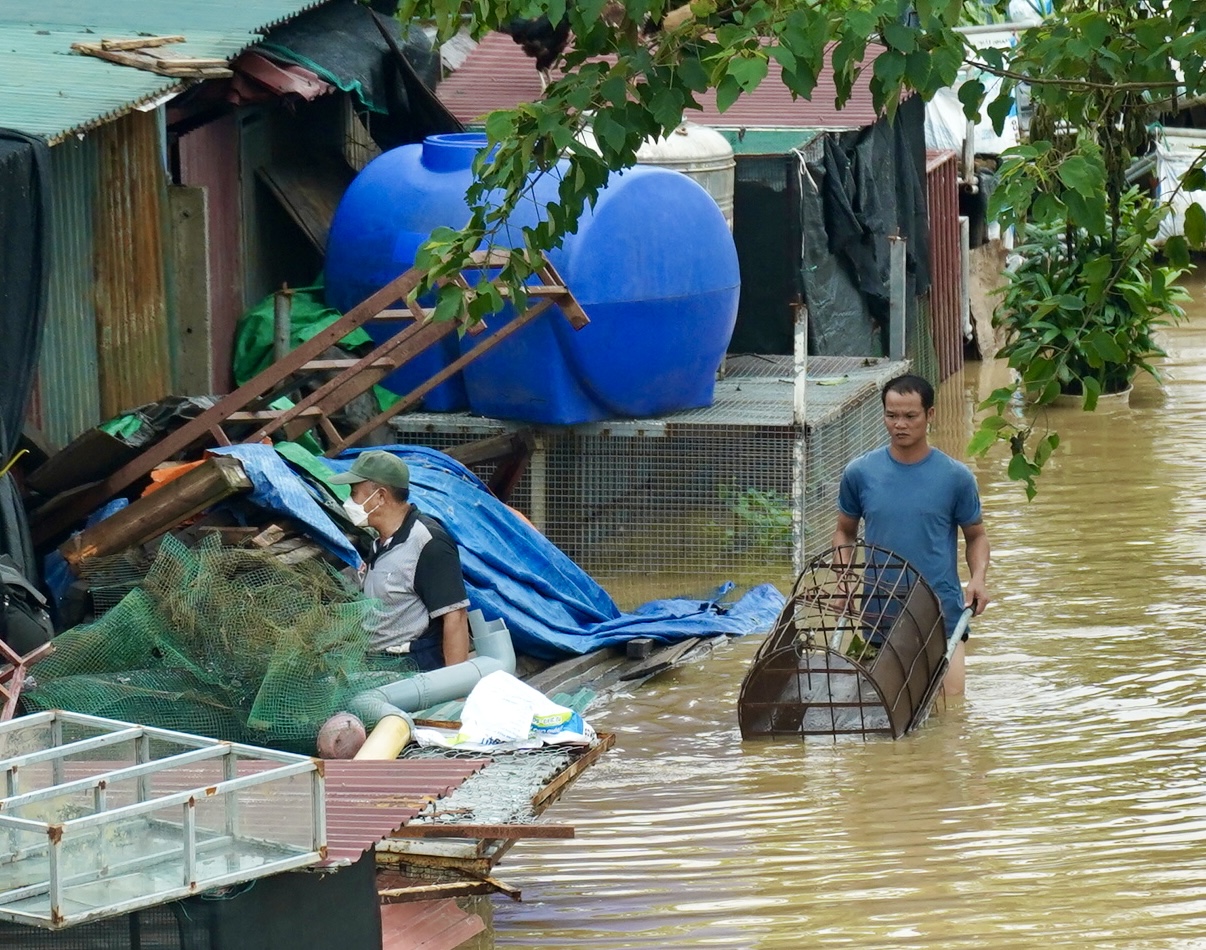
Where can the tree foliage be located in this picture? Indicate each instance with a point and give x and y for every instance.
(1099, 72)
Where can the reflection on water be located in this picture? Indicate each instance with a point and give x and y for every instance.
(1060, 804)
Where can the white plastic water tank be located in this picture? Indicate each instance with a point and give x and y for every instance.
(700, 153)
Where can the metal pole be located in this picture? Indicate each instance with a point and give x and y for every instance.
(965, 275)
(282, 314)
(896, 298)
(799, 436)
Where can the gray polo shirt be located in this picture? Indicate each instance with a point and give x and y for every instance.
(416, 576)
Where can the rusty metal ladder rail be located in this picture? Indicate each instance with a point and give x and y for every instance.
(355, 376)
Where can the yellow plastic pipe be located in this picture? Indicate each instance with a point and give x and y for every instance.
(388, 738)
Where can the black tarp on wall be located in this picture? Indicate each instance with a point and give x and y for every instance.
(343, 43)
(24, 223)
(856, 190)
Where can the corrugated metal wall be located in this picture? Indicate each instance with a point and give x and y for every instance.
(68, 400)
(133, 353)
(945, 301)
(209, 159)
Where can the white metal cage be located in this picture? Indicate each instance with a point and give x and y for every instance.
(100, 818)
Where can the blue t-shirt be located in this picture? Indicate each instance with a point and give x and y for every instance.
(915, 510)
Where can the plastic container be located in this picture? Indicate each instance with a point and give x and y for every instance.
(655, 269)
(386, 213)
(653, 265)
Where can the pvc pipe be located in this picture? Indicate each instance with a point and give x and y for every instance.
(387, 740)
(492, 643)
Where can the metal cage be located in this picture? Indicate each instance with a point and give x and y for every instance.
(859, 649)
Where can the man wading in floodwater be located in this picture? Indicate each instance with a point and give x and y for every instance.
(913, 499)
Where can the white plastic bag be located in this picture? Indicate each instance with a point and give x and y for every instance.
(502, 712)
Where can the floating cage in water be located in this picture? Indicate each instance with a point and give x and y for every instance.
(859, 649)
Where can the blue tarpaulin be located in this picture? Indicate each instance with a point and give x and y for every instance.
(552, 607)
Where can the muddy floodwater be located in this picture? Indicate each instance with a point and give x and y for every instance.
(1062, 803)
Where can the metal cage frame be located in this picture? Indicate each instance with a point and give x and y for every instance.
(859, 648)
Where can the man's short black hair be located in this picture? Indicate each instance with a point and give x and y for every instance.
(398, 494)
(909, 383)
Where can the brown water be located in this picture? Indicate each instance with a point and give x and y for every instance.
(1061, 804)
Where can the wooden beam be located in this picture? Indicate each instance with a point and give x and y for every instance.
(495, 448)
(148, 517)
(508, 831)
(554, 790)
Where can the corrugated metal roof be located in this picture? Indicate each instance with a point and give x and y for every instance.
(49, 91)
(367, 800)
(497, 75)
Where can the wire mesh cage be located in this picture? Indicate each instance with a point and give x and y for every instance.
(859, 649)
(739, 490)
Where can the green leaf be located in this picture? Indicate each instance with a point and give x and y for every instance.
(1195, 225)
(1176, 249)
(1081, 175)
(999, 109)
(994, 423)
(983, 440)
(727, 93)
(1021, 469)
(1092, 390)
(971, 94)
(749, 71)
(901, 37)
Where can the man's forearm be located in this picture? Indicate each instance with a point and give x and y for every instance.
(978, 556)
(456, 637)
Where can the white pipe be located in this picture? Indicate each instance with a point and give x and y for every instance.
(492, 643)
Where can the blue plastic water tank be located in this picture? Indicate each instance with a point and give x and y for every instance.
(655, 269)
(386, 213)
(653, 265)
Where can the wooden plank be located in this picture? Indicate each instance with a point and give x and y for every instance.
(271, 415)
(309, 192)
(269, 536)
(552, 679)
(508, 831)
(426, 891)
(139, 42)
(303, 552)
(146, 518)
(413, 397)
(556, 788)
(89, 457)
(494, 448)
(661, 661)
(188, 258)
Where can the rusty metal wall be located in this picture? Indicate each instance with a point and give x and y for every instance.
(209, 159)
(946, 290)
(67, 399)
(133, 351)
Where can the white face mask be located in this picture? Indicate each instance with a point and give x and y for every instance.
(356, 512)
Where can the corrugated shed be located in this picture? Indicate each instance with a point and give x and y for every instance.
(68, 396)
(946, 268)
(367, 800)
(497, 75)
(209, 158)
(47, 90)
(133, 352)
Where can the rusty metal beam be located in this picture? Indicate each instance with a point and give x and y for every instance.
(58, 521)
(413, 397)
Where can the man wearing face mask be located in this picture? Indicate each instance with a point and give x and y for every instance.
(414, 570)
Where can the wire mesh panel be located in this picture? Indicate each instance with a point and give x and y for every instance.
(712, 492)
(857, 650)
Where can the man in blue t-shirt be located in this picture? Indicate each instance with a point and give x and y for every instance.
(914, 500)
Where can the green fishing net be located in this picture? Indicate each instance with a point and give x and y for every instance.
(220, 641)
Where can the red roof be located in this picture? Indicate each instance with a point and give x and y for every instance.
(366, 800)
(497, 75)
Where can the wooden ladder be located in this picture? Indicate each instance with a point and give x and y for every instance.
(244, 415)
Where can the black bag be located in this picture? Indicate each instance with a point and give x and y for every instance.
(24, 622)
